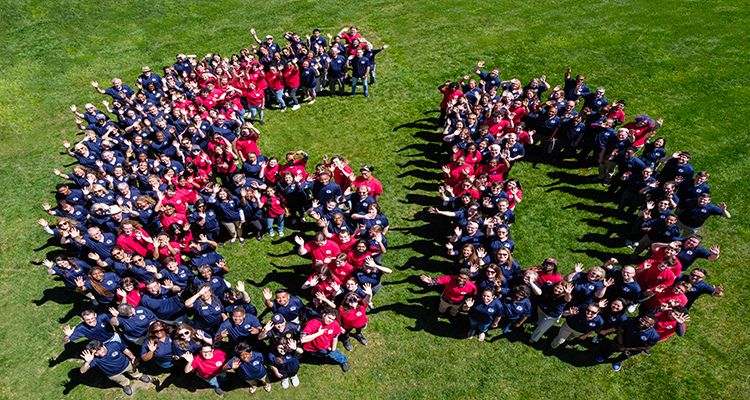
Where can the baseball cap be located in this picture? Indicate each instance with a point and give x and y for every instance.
(278, 319)
(550, 260)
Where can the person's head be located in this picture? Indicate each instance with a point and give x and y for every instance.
(206, 272)
(646, 321)
(595, 274)
(159, 330)
(467, 250)
(487, 296)
(328, 315)
(207, 351)
(282, 296)
(591, 311)
(153, 288)
(682, 287)
(89, 317)
(617, 305)
(503, 255)
(472, 228)
(97, 274)
(670, 220)
(520, 292)
(697, 275)
(502, 205)
(320, 239)
(97, 348)
(677, 311)
(238, 315)
(279, 322)
(628, 273)
(463, 276)
(683, 158)
(704, 199)
(244, 351)
(559, 288)
(128, 284)
(95, 233)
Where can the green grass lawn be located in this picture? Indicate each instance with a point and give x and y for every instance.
(685, 61)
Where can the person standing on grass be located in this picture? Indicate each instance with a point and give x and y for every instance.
(483, 314)
(699, 286)
(579, 325)
(283, 361)
(251, 367)
(319, 338)
(634, 336)
(208, 365)
(360, 66)
(456, 289)
(114, 360)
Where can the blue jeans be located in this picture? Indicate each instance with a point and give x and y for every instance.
(280, 97)
(214, 382)
(335, 356)
(255, 112)
(293, 96)
(479, 327)
(279, 222)
(372, 74)
(364, 84)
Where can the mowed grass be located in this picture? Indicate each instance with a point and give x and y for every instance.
(685, 61)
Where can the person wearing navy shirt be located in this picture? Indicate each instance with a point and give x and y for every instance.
(370, 54)
(579, 325)
(207, 308)
(134, 321)
(483, 313)
(283, 361)
(688, 189)
(318, 39)
(240, 326)
(283, 303)
(634, 336)
(149, 77)
(226, 129)
(661, 231)
(279, 330)
(178, 274)
(324, 189)
(114, 360)
(575, 88)
(163, 301)
(516, 308)
(251, 365)
(159, 346)
(117, 91)
(586, 287)
(92, 327)
(696, 212)
(699, 286)
(490, 79)
(625, 286)
(596, 100)
(182, 64)
(362, 201)
(551, 306)
(691, 251)
(678, 165)
(203, 253)
(336, 71)
(73, 197)
(360, 66)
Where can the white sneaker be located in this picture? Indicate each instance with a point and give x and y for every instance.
(295, 381)
(281, 233)
(272, 234)
(285, 383)
(312, 101)
(283, 109)
(295, 107)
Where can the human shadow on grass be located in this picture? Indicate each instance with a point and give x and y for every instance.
(423, 311)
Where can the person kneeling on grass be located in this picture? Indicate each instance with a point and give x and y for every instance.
(319, 338)
(250, 364)
(283, 360)
(114, 360)
(208, 365)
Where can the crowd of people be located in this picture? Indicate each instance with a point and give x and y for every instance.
(617, 309)
(173, 170)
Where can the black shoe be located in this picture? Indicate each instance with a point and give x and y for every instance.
(348, 345)
(218, 391)
(345, 367)
(128, 390)
(361, 338)
(145, 378)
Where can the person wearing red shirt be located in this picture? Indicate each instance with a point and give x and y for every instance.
(256, 102)
(495, 169)
(247, 142)
(662, 297)
(322, 284)
(200, 159)
(513, 190)
(295, 165)
(649, 276)
(292, 83)
(169, 216)
(273, 207)
(269, 172)
(223, 161)
(456, 289)
(319, 338)
(164, 248)
(457, 171)
(321, 250)
(208, 365)
(353, 316)
(342, 172)
(175, 200)
(350, 33)
(643, 128)
(275, 81)
(366, 179)
(344, 240)
(671, 321)
(130, 291)
(341, 268)
(133, 238)
(451, 94)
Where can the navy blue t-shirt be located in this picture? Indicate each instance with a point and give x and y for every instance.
(114, 362)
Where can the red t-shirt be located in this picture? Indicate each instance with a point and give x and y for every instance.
(275, 80)
(344, 247)
(650, 278)
(495, 173)
(341, 273)
(254, 97)
(247, 145)
(291, 77)
(348, 37)
(373, 185)
(133, 245)
(328, 250)
(453, 292)
(271, 174)
(353, 318)
(665, 326)
(342, 179)
(639, 132)
(209, 368)
(458, 173)
(449, 96)
(324, 341)
(179, 203)
(513, 199)
(175, 218)
(356, 259)
(273, 206)
(296, 167)
(666, 297)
